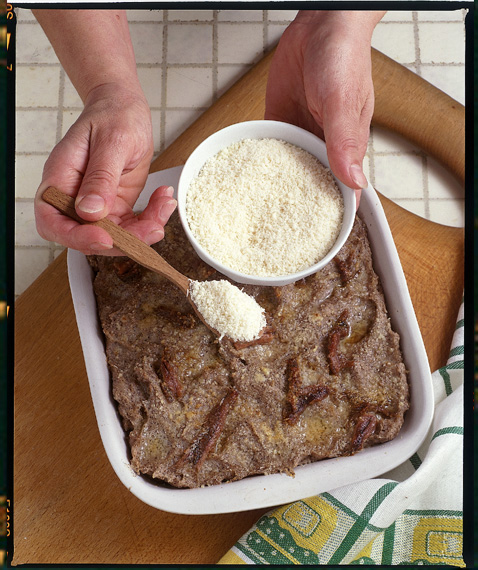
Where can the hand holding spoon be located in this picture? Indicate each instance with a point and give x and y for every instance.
(134, 248)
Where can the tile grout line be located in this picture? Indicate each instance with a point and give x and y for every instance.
(419, 199)
(246, 22)
(195, 64)
(265, 31)
(416, 39)
(61, 100)
(424, 161)
(426, 192)
(32, 153)
(47, 108)
(215, 55)
(402, 152)
(164, 79)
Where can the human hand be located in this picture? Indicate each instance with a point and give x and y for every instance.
(320, 79)
(103, 161)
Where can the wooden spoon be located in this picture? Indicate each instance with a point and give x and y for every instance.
(128, 243)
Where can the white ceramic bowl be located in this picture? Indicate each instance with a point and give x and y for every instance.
(263, 490)
(258, 130)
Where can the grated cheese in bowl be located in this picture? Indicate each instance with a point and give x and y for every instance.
(265, 207)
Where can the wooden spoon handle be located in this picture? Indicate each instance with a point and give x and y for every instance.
(125, 241)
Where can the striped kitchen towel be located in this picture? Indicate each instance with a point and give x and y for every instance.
(412, 515)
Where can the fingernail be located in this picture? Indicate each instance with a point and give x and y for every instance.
(357, 175)
(167, 209)
(155, 236)
(91, 203)
(170, 190)
(99, 246)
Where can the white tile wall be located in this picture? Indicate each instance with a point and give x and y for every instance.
(186, 60)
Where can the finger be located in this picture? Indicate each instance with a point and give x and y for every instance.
(346, 133)
(146, 230)
(160, 206)
(346, 158)
(149, 224)
(99, 187)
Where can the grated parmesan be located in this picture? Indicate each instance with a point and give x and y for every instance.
(265, 207)
(228, 309)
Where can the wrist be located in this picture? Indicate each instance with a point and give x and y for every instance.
(116, 90)
(120, 102)
(93, 46)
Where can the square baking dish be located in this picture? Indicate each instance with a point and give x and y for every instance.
(263, 490)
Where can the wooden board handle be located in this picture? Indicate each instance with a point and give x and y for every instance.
(410, 106)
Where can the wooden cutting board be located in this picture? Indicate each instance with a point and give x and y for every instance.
(68, 505)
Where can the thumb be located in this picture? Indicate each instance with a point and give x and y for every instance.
(346, 157)
(346, 136)
(99, 187)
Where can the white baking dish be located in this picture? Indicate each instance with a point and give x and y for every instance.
(265, 490)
